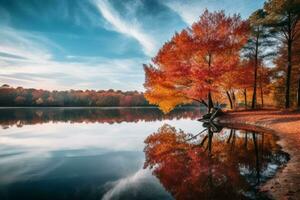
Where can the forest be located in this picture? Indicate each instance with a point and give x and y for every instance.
(19, 96)
(252, 63)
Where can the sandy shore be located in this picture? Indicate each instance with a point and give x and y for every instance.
(285, 124)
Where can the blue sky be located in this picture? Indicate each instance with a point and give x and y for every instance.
(93, 44)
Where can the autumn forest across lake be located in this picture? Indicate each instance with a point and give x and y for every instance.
(107, 99)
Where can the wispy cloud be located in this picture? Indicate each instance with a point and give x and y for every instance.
(27, 60)
(126, 27)
(22, 45)
(88, 74)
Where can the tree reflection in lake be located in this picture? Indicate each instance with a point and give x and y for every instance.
(94, 153)
(214, 164)
(24, 116)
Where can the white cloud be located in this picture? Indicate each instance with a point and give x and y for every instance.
(22, 45)
(126, 27)
(27, 60)
(49, 74)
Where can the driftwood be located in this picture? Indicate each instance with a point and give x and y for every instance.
(209, 117)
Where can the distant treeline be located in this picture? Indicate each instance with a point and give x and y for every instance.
(19, 96)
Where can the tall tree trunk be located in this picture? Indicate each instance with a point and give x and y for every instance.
(298, 99)
(229, 98)
(255, 70)
(233, 99)
(289, 64)
(210, 102)
(262, 96)
(245, 97)
(288, 78)
(253, 106)
(261, 86)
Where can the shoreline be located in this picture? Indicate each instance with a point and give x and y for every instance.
(102, 107)
(286, 125)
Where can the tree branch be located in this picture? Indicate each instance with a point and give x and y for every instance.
(200, 101)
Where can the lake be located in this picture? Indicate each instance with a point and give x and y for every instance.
(130, 153)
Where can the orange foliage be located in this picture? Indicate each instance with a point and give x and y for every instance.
(195, 60)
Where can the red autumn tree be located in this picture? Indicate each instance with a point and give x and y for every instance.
(190, 66)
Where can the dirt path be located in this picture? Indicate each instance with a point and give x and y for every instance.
(286, 183)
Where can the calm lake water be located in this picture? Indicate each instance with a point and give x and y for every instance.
(111, 153)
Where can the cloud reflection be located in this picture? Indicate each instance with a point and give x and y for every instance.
(38, 142)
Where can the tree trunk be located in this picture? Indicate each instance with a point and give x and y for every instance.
(229, 98)
(288, 78)
(298, 99)
(262, 96)
(233, 99)
(255, 71)
(245, 97)
(289, 65)
(210, 102)
(254, 89)
(261, 86)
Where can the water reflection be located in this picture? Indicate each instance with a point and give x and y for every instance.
(25, 116)
(93, 153)
(79, 153)
(214, 164)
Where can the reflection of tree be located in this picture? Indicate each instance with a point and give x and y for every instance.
(220, 166)
(24, 116)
